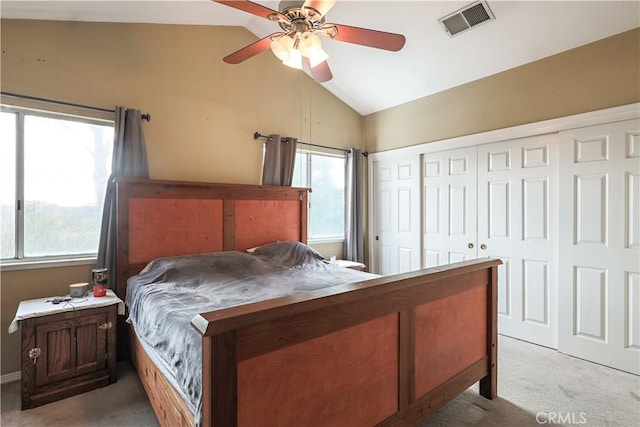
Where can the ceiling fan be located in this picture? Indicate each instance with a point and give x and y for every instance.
(302, 24)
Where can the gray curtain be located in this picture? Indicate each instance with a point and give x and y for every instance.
(354, 238)
(279, 160)
(129, 160)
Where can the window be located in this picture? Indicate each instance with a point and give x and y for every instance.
(325, 175)
(53, 174)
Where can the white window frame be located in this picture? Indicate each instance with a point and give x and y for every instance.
(20, 262)
(310, 153)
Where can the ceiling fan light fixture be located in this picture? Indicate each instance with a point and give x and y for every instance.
(279, 50)
(294, 60)
(303, 23)
(309, 44)
(318, 58)
(281, 47)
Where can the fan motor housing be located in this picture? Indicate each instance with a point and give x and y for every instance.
(298, 20)
(284, 5)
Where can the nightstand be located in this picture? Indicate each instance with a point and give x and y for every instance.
(354, 265)
(67, 348)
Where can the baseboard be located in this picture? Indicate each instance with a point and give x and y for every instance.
(8, 378)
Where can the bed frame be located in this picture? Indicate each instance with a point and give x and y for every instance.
(387, 351)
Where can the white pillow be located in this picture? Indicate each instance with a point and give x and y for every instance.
(252, 250)
(146, 268)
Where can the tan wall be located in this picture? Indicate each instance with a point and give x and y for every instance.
(592, 77)
(204, 112)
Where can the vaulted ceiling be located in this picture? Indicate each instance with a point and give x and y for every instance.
(368, 79)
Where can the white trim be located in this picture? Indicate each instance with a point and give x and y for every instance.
(57, 111)
(324, 240)
(369, 237)
(51, 263)
(11, 377)
(310, 153)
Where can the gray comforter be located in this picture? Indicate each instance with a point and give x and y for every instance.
(164, 298)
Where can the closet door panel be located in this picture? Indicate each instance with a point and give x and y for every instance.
(449, 206)
(517, 222)
(599, 244)
(396, 214)
(535, 209)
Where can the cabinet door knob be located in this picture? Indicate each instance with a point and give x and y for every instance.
(470, 246)
(34, 353)
(483, 246)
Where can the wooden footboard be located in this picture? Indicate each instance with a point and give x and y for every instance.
(388, 351)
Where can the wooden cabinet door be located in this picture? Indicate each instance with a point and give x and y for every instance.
(67, 353)
(71, 347)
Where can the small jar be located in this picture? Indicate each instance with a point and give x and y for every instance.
(99, 279)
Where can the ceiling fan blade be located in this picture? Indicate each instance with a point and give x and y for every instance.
(251, 50)
(363, 36)
(250, 7)
(321, 73)
(321, 6)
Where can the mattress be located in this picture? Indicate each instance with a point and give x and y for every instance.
(169, 292)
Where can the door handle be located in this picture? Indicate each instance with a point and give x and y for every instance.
(470, 246)
(483, 246)
(377, 237)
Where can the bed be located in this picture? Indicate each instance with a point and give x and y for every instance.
(381, 351)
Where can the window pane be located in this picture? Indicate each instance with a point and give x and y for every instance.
(300, 170)
(327, 197)
(7, 185)
(67, 164)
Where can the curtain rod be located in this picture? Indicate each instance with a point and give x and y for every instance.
(257, 135)
(145, 116)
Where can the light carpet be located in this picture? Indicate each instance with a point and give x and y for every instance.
(536, 386)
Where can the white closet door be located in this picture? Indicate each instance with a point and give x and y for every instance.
(600, 244)
(517, 222)
(449, 206)
(396, 214)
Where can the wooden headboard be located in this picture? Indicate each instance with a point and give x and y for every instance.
(168, 218)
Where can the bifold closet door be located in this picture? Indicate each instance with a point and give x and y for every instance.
(600, 244)
(449, 206)
(396, 215)
(518, 223)
(500, 200)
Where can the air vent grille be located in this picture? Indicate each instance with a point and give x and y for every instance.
(466, 18)
(455, 24)
(476, 15)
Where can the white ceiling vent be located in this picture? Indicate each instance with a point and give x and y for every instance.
(466, 18)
